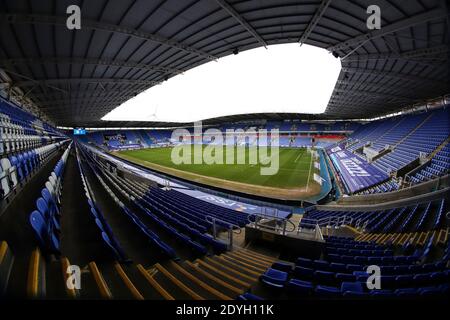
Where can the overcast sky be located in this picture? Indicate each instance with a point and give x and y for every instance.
(281, 78)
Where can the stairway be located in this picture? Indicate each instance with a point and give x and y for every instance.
(390, 130)
(439, 148)
(414, 238)
(218, 277)
(414, 130)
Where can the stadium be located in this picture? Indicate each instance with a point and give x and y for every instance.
(248, 193)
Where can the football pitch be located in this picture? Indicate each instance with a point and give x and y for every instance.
(290, 182)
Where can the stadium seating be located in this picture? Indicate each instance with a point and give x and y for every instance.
(343, 274)
(144, 229)
(45, 220)
(177, 220)
(415, 218)
(421, 134)
(439, 165)
(104, 229)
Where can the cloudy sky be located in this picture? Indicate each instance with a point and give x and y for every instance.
(281, 78)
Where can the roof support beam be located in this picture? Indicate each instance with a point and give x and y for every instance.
(102, 26)
(135, 90)
(389, 74)
(412, 21)
(232, 12)
(315, 19)
(75, 101)
(365, 93)
(86, 80)
(376, 86)
(89, 61)
(434, 55)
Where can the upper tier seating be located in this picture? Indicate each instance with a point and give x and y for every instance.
(371, 132)
(21, 166)
(425, 139)
(438, 166)
(403, 127)
(388, 186)
(20, 131)
(25, 143)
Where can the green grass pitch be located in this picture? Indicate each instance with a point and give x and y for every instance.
(294, 167)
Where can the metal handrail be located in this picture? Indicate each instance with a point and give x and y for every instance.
(232, 228)
(281, 223)
(331, 221)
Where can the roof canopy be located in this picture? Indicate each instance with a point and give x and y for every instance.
(123, 47)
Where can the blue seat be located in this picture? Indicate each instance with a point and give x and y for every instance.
(274, 278)
(304, 262)
(388, 281)
(404, 280)
(23, 165)
(94, 213)
(348, 277)
(327, 291)
(404, 269)
(407, 292)
(198, 247)
(422, 278)
(249, 296)
(338, 267)
(26, 163)
(321, 265)
(99, 225)
(108, 242)
(353, 267)
(352, 288)
(50, 219)
(303, 273)
(282, 266)
(16, 163)
(300, 286)
(50, 201)
(382, 293)
(430, 291)
(47, 241)
(324, 277)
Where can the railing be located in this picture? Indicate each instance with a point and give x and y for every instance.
(332, 222)
(278, 225)
(230, 227)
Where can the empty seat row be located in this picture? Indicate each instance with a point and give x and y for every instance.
(20, 166)
(152, 237)
(186, 231)
(104, 229)
(46, 219)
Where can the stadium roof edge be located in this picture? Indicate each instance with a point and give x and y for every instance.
(138, 125)
(123, 49)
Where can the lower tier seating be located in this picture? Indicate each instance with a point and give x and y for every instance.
(344, 271)
(414, 218)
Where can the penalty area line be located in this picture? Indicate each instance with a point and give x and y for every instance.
(296, 159)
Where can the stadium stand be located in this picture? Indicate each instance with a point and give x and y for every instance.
(361, 189)
(341, 272)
